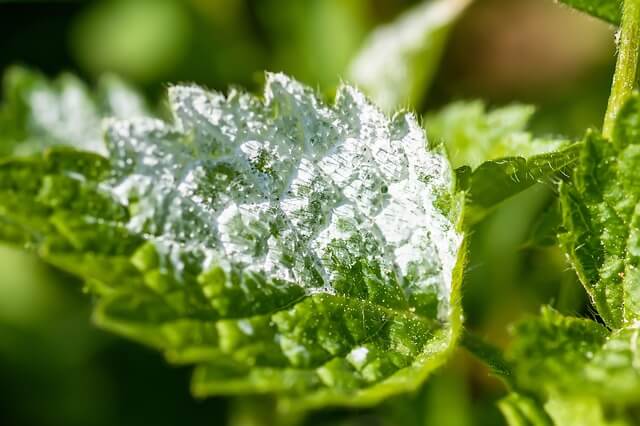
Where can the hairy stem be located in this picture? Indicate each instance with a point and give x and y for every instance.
(625, 72)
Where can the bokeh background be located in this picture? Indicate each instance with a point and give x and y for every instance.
(57, 369)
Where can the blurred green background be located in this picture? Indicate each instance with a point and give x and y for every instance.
(57, 369)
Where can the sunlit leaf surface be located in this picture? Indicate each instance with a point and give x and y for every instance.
(281, 244)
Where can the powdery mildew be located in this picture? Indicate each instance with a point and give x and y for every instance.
(275, 185)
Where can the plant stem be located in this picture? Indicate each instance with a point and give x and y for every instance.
(625, 73)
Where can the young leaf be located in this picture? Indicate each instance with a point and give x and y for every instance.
(39, 113)
(495, 181)
(550, 352)
(520, 410)
(601, 218)
(608, 10)
(282, 245)
(495, 155)
(573, 362)
(585, 411)
(398, 61)
(473, 135)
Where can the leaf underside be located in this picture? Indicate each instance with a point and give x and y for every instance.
(496, 157)
(607, 10)
(495, 181)
(282, 245)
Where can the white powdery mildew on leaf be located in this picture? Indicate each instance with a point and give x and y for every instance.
(66, 115)
(289, 188)
(63, 111)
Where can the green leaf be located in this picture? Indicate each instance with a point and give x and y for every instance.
(600, 217)
(551, 352)
(495, 155)
(397, 62)
(490, 355)
(280, 244)
(608, 10)
(573, 363)
(568, 355)
(38, 113)
(520, 410)
(544, 230)
(585, 411)
(474, 135)
(495, 181)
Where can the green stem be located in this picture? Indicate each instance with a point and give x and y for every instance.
(625, 74)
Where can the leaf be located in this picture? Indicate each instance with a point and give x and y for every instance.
(584, 411)
(490, 355)
(573, 362)
(282, 245)
(585, 371)
(600, 218)
(398, 61)
(551, 352)
(495, 155)
(545, 228)
(520, 410)
(558, 410)
(495, 181)
(38, 113)
(567, 355)
(474, 135)
(608, 10)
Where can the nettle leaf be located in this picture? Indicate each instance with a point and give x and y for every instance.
(601, 218)
(399, 60)
(283, 245)
(564, 410)
(495, 181)
(521, 410)
(39, 113)
(473, 134)
(586, 411)
(586, 372)
(521, 407)
(545, 228)
(495, 155)
(608, 10)
(573, 362)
